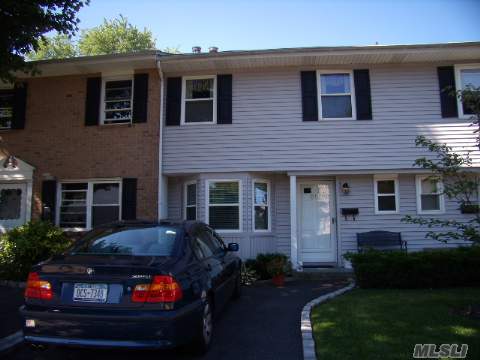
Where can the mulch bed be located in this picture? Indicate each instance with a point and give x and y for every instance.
(10, 300)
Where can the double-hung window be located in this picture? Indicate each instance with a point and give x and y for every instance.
(6, 109)
(223, 204)
(84, 205)
(117, 102)
(190, 201)
(430, 198)
(467, 77)
(386, 194)
(261, 205)
(336, 95)
(199, 100)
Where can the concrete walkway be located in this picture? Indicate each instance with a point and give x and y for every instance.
(263, 325)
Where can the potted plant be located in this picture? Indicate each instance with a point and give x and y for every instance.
(277, 268)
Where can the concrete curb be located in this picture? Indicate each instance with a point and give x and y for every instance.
(13, 284)
(306, 324)
(10, 341)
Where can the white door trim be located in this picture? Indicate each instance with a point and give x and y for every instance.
(333, 214)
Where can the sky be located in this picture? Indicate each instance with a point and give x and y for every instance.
(267, 24)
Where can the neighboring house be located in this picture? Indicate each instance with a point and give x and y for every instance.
(269, 147)
(84, 136)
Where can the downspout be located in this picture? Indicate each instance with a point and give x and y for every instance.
(162, 182)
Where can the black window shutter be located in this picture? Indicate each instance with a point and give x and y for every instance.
(309, 95)
(19, 106)
(224, 99)
(363, 97)
(140, 98)
(174, 101)
(446, 82)
(129, 199)
(92, 102)
(49, 198)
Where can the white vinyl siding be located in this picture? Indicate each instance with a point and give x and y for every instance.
(386, 194)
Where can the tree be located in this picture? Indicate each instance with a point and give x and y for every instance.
(459, 182)
(59, 46)
(24, 23)
(115, 36)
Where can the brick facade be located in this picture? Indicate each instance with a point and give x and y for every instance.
(58, 144)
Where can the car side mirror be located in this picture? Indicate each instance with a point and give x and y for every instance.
(233, 247)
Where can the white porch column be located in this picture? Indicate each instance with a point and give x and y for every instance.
(293, 222)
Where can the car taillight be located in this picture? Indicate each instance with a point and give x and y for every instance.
(163, 289)
(38, 289)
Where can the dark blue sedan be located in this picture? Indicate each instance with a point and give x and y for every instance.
(133, 285)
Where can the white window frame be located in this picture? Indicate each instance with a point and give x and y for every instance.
(352, 94)
(185, 198)
(10, 89)
(459, 86)
(394, 178)
(89, 200)
(269, 226)
(184, 100)
(240, 204)
(106, 79)
(418, 185)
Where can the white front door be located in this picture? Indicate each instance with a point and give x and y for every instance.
(13, 205)
(316, 224)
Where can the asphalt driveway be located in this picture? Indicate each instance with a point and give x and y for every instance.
(263, 324)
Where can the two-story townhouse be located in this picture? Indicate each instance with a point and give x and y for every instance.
(290, 150)
(297, 150)
(79, 142)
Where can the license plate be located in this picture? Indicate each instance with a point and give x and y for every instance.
(90, 292)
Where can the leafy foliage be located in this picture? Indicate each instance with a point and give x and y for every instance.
(115, 36)
(23, 24)
(59, 46)
(470, 98)
(26, 245)
(248, 275)
(458, 183)
(260, 264)
(424, 269)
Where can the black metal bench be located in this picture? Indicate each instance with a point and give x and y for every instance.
(380, 240)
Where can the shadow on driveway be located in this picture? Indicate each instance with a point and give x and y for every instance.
(263, 324)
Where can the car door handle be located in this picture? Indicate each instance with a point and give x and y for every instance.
(208, 267)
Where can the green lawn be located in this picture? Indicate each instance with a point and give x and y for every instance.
(386, 324)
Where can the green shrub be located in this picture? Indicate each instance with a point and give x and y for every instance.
(27, 245)
(260, 264)
(423, 269)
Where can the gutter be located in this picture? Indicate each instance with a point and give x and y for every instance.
(162, 199)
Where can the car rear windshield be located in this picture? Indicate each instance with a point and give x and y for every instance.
(144, 241)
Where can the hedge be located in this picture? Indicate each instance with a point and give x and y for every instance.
(424, 269)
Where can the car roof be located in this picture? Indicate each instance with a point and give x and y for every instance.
(187, 225)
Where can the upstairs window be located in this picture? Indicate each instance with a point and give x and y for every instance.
(336, 98)
(430, 198)
(467, 77)
(6, 109)
(386, 195)
(199, 100)
(190, 196)
(117, 101)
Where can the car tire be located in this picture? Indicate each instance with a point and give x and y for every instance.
(237, 291)
(203, 340)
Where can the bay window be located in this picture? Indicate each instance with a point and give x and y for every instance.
(223, 204)
(190, 201)
(261, 205)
